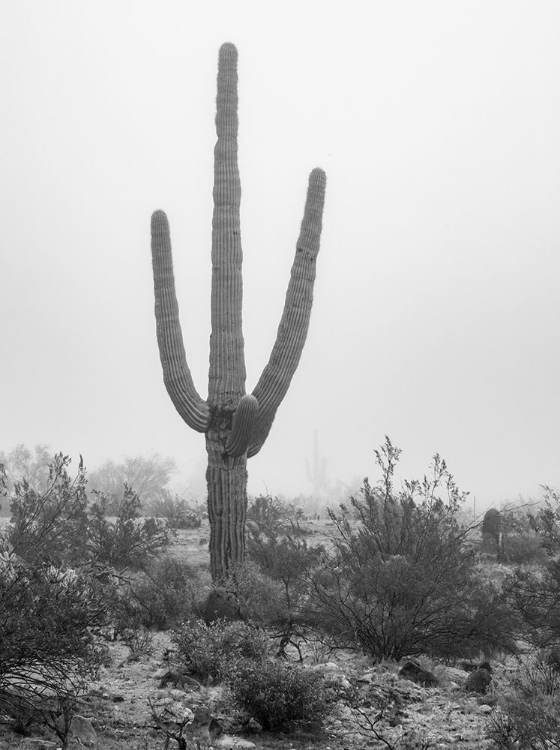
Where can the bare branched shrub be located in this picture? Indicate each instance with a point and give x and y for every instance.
(127, 540)
(529, 715)
(47, 652)
(401, 578)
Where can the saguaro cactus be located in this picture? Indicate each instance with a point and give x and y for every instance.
(236, 424)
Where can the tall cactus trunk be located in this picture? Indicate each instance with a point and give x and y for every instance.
(236, 424)
(227, 509)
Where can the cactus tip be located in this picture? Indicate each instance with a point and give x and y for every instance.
(228, 48)
(318, 175)
(159, 216)
(159, 221)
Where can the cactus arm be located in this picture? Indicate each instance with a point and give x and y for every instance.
(227, 364)
(176, 374)
(292, 331)
(242, 426)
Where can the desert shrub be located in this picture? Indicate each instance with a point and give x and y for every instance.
(161, 597)
(521, 543)
(211, 651)
(50, 524)
(279, 694)
(546, 521)
(46, 647)
(400, 579)
(176, 511)
(535, 599)
(128, 541)
(285, 558)
(266, 512)
(59, 525)
(529, 715)
(534, 590)
(246, 594)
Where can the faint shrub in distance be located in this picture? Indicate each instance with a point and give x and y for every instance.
(176, 511)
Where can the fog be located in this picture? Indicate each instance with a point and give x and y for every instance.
(436, 315)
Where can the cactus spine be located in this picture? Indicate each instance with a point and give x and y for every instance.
(235, 424)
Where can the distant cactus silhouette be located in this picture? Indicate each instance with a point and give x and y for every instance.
(236, 424)
(318, 474)
(492, 526)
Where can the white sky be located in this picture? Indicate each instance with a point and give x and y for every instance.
(437, 314)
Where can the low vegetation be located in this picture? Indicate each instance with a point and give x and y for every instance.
(305, 640)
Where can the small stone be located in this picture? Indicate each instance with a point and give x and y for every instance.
(227, 741)
(414, 672)
(82, 729)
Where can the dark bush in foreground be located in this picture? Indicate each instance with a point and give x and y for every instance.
(47, 652)
(278, 694)
(211, 651)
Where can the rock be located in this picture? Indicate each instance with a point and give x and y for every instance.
(178, 678)
(457, 676)
(227, 741)
(82, 730)
(330, 666)
(38, 743)
(414, 672)
(478, 682)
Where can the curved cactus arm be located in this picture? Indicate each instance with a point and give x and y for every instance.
(292, 331)
(242, 426)
(176, 374)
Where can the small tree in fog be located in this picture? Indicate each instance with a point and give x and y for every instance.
(149, 477)
(26, 464)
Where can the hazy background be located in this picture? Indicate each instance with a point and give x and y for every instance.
(437, 314)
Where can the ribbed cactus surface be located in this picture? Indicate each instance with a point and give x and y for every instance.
(236, 424)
